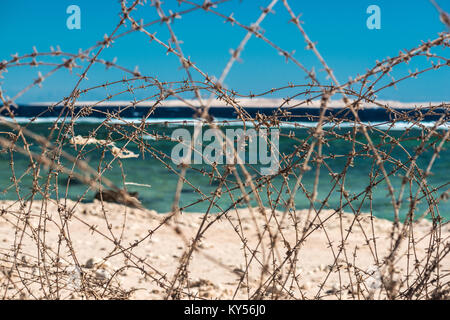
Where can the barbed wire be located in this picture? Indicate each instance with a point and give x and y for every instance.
(409, 256)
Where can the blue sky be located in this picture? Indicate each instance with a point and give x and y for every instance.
(338, 27)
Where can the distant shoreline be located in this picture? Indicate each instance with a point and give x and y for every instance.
(243, 102)
(172, 109)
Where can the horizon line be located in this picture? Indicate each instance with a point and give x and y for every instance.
(243, 102)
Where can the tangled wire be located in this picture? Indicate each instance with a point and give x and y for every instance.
(262, 226)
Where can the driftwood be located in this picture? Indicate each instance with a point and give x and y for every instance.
(119, 196)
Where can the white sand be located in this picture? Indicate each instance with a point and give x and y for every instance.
(214, 269)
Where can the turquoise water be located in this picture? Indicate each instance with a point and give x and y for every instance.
(147, 169)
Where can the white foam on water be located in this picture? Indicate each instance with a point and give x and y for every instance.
(174, 122)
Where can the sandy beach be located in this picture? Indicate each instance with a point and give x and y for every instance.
(99, 251)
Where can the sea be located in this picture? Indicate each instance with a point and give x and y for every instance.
(148, 173)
